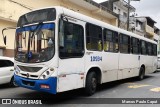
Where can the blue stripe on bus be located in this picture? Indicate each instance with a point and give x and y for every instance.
(52, 82)
(32, 28)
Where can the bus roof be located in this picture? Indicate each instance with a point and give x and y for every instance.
(85, 18)
(103, 24)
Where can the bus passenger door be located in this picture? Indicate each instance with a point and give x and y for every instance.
(71, 55)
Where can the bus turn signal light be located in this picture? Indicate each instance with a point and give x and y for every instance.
(45, 86)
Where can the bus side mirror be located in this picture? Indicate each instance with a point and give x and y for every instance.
(5, 39)
(63, 20)
(61, 32)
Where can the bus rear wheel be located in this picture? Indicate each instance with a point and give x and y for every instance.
(141, 74)
(91, 84)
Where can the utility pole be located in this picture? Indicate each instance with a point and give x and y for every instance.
(128, 15)
(129, 12)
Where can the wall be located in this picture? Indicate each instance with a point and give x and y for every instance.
(1, 52)
(10, 37)
(10, 10)
(68, 4)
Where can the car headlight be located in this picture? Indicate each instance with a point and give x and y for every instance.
(17, 70)
(47, 74)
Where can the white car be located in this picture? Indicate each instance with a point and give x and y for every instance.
(7, 70)
(158, 62)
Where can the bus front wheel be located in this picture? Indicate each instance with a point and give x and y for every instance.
(12, 82)
(91, 84)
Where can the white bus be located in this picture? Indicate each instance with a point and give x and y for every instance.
(58, 49)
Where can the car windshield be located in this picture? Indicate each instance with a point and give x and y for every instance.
(35, 44)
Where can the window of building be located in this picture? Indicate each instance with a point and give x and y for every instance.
(140, 24)
(134, 45)
(124, 43)
(143, 47)
(73, 41)
(6, 63)
(94, 37)
(136, 24)
(110, 41)
(119, 11)
(124, 14)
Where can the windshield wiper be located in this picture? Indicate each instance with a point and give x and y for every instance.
(31, 35)
(37, 29)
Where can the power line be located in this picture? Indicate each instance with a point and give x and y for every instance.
(29, 8)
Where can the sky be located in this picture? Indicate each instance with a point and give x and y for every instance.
(149, 8)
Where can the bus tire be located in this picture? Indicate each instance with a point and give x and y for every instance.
(141, 73)
(91, 84)
(12, 82)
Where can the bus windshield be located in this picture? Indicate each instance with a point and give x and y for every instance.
(37, 16)
(35, 44)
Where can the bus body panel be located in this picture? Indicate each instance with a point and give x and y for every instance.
(129, 65)
(147, 61)
(110, 66)
(36, 84)
(70, 74)
(155, 63)
(93, 59)
(71, 70)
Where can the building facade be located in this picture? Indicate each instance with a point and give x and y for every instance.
(120, 7)
(137, 26)
(143, 26)
(10, 10)
(157, 37)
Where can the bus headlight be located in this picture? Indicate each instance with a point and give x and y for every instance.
(46, 74)
(17, 70)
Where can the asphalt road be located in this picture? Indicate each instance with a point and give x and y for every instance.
(128, 88)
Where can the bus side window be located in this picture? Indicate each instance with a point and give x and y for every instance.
(94, 37)
(154, 50)
(149, 48)
(106, 46)
(124, 43)
(134, 45)
(110, 41)
(143, 48)
(116, 42)
(73, 41)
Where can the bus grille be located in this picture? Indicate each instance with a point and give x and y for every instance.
(28, 83)
(30, 69)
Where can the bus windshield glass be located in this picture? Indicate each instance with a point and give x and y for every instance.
(35, 44)
(37, 16)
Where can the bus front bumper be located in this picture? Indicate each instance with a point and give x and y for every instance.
(47, 85)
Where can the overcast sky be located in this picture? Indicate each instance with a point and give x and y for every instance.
(146, 8)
